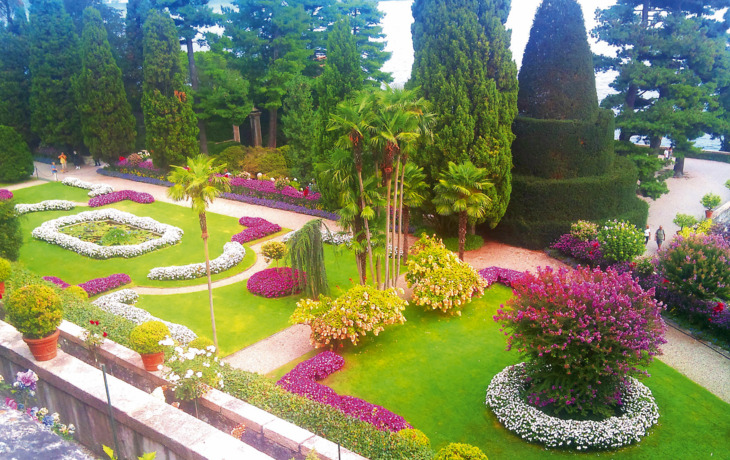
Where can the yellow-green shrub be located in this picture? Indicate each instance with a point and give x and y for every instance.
(458, 451)
(5, 269)
(34, 310)
(77, 292)
(200, 343)
(415, 436)
(145, 338)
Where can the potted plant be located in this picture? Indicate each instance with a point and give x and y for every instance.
(35, 311)
(145, 340)
(710, 201)
(5, 270)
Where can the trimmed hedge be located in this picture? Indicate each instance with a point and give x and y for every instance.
(563, 149)
(541, 210)
(710, 156)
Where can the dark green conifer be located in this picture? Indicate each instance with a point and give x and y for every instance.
(16, 162)
(14, 74)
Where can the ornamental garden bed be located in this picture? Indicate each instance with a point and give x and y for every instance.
(99, 232)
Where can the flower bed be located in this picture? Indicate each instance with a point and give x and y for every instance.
(302, 380)
(96, 189)
(500, 275)
(155, 180)
(275, 282)
(57, 281)
(121, 195)
(257, 228)
(587, 251)
(335, 238)
(504, 398)
(121, 303)
(95, 286)
(5, 194)
(48, 231)
(47, 205)
(267, 189)
(232, 255)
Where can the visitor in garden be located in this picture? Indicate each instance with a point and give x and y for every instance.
(76, 160)
(54, 171)
(659, 237)
(647, 235)
(62, 159)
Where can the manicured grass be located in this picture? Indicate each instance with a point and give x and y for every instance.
(434, 371)
(50, 191)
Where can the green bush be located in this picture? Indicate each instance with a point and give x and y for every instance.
(192, 372)
(621, 241)
(266, 161)
(16, 161)
(146, 337)
(273, 250)
(457, 451)
(710, 156)
(727, 184)
(472, 243)
(711, 201)
(5, 269)
(200, 343)
(10, 237)
(684, 220)
(415, 436)
(584, 230)
(78, 292)
(34, 310)
(232, 157)
(698, 265)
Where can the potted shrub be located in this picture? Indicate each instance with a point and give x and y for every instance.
(710, 201)
(145, 340)
(35, 311)
(4, 274)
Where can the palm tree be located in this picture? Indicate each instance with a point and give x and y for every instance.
(200, 182)
(414, 194)
(460, 191)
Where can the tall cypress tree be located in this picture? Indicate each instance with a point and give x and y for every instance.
(299, 126)
(133, 59)
(170, 124)
(14, 74)
(106, 116)
(53, 63)
(465, 69)
(557, 80)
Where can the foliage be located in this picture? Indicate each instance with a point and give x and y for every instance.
(415, 436)
(273, 250)
(467, 45)
(200, 343)
(11, 238)
(472, 243)
(34, 310)
(711, 200)
(620, 241)
(698, 265)
(223, 91)
(298, 126)
(145, 338)
(16, 161)
(583, 251)
(361, 309)
(699, 228)
(584, 230)
(306, 256)
(684, 220)
(577, 356)
(262, 160)
(77, 291)
(107, 124)
(5, 269)
(459, 451)
(193, 371)
(15, 81)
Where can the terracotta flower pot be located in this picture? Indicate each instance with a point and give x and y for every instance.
(44, 349)
(708, 213)
(152, 360)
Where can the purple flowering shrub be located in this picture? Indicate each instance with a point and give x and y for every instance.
(276, 282)
(57, 281)
(698, 265)
(121, 195)
(257, 228)
(5, 194)
(96, 285)
(302, 380)
(587, 251)
(581, 343)
(505, 276)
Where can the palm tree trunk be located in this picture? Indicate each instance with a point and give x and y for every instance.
(402, 232)
(367, 224)
(395, 242)
(387, 227)
(204, 235)
(406, 226)
(462, 234)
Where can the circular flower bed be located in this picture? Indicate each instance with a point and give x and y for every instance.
(531, 424)
(275, 282)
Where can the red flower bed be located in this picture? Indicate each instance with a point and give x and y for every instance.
(275, 282)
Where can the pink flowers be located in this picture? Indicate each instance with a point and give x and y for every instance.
(5, 194)
(505, 276)
(96, 285)
(257, 228)
(276, 282)
(121, 195)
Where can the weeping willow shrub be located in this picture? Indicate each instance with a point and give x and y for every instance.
(305, 253)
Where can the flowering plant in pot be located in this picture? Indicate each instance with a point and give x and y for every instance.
(35, 311)
(145, 339)
(5, 271)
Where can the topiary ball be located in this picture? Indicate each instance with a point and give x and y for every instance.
(78, 292)
(458, 451)
(200, 343)
(145, 338)
(414, 436)
(34, 310)
(5, 269)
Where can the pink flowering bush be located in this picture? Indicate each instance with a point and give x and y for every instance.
(121, 195)
(501, 275)
(302, 380)
(276, 282)
(583, 332)
(57, 281)
(257, 228)
(96, 285)
(584, 251)
(5, 194)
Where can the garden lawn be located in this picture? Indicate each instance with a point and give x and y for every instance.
(434, 371)
(47, 259)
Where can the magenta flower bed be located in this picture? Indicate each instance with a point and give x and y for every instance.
(302, 381)
(257, 228)
(5, 194)
(57, 281)
(583, 251)
(99, 285)
(121, 195)
(267, 187)
(275, 282)
(505, 276)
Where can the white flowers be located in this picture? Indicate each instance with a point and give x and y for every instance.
(531, 424)
(96, 189)
(47, 205)
(232, 255)
(327, 237)
(121, 302)
(49, 231)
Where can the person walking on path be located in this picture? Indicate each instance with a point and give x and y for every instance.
(647, 235)
(659, 237)
(62, 159)
(54, 171)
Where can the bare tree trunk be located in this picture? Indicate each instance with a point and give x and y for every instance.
(236, 133)
(462, 234)
(377, 273)
(272, 128)
(204, 235)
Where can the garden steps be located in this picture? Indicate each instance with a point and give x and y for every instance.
(274, 351)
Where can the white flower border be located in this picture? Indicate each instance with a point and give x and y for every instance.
(96, 189)
(121, 303)
(335, 238)
(233, 253)
(48, 231)
(531, 424)
(47, 205)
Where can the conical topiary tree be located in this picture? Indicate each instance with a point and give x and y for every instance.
(557, 80)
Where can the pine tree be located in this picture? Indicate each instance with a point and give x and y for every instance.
(16, 162)
(170, 124)
(53, 64)
(137, 11)
(465, 69)
(106, 116)
(557, 80)
(299, 126)
(14, 74)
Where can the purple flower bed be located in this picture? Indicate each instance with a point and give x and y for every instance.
(134, 177)
(57, 281)
(584, 251)
(275, 282)
(267, 189)
(5, 194)
(256, 228)
(281, 205)
(302, 381)
(505, 276)
(99, 285)
(121, 195)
